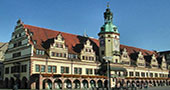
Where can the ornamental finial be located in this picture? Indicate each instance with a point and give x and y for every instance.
(107, 4)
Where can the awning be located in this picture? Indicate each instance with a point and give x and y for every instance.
(117, 69)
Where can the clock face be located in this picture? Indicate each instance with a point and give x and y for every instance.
(102, 42)
(116, 44)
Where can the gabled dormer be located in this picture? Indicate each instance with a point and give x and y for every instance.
(140, 60)
(125, 59)
(58, 49)
(87, 53)
(154, 62)
(163, 63)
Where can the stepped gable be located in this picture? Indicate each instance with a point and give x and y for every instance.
(42, 34)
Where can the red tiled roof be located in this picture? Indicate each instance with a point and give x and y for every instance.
(131, 50)
(43, 34)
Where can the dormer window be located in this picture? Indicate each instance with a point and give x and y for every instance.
(125, 56)
(31, 33)
(40, 52)
(59, 45)
(34, 42)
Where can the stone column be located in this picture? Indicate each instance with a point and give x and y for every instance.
(40, 82)
(33, 85)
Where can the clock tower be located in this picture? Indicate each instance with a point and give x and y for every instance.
(109, 38)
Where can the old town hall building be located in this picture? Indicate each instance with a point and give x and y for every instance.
(40, 58)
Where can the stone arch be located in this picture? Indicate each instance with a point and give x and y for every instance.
(154, 83)
(137, 83)
(58, 84)
(47, 84)
(92, 84)
(12, 82)
(106, 83)
(164, 82)
(85, 84)
(133, 83)
(18, 83)
(161, 83)
(146, 82)
(6, 82)
(24, 83)
(76, 84)
(150, 83)
(68, 84)
(158, 83)
(128, 83)
(100, 84)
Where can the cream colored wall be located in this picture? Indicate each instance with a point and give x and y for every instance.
(53, 47)
(83, 52)
(141, 60)
(65, 63)
(145, 70)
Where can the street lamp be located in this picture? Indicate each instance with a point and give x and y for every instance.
(108, 60)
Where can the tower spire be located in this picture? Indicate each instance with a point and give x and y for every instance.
(108, 5)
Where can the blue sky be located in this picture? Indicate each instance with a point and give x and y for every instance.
(141, 23)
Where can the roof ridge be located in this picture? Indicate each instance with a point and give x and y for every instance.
(137, 48)
(50, 29)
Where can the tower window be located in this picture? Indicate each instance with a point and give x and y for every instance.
(108, 40)
(116, 61)
(108, 35)
(102, 52)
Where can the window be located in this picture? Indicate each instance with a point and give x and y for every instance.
(65, 55)
(125, 73)
(130, 73)
(31, 33)
(71, 56)
(64, 69)
(35, 42)
(49, 68)
(137, 73)
(102, 52)
(156, 75)
(37, 68)
(83, 57)
(141, 64)
(116, 61)
(77, 70)
(119, 74)
(7, 70)
(17, 44)
(89, 71)
(154, 66)
(42, 68)
(54, 69)
(16, 54)
(147, 74)
(24, 68)
(59, 45)
(53, 53)
(96, 71)
(125, 62)
(40, 52)
(151, 74)
(142, 74)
